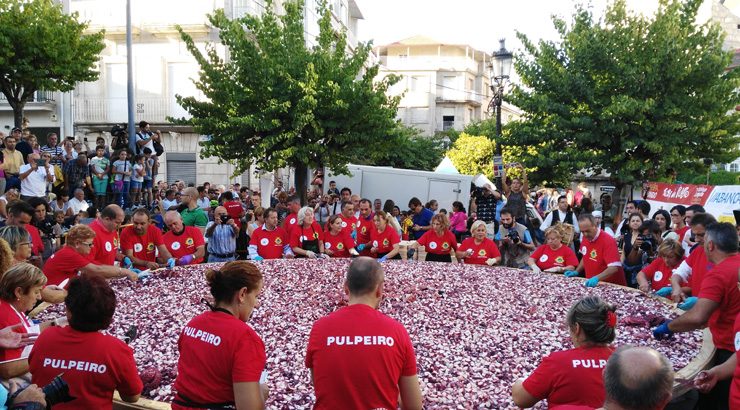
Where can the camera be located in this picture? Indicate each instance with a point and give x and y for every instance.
(57, 391)
(648, 243)
(514, 236)
(225, 218)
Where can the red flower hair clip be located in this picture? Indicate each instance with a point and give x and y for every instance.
(611, 319)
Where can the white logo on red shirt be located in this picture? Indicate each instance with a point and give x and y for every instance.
(658, 276)
(360, 340)
(303, 238)
(264, 241)
(583, 250)
(737, 341)
(76, 365)
(108, 247)
(344, 224)
(432, 245)
(375, 244)
(203, 336)
(292, 221)
(175, 245)
(138, 247)
(327, 245)
(543, 258)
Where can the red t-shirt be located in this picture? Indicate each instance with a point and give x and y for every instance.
(64, 264)
(10, 317)
(235, 210)
(720, 286)
(144, 247)
(300, 234)
(364, 229)
(358, 356)
(700, 265)
(572, 376)
(37, 245)
(600, 254)
(681, 232)
(384, 241)
(269, 243)
(339, 244)
(438, 244)
(481, 253)
(290, 222)
(216, 351)
(105, 244)
(348, 224)
(735, 386)
(94, 365)
(546, 258)
(659, 274)
(185, 243)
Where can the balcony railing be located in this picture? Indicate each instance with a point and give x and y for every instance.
(41, 96)
(115, 110)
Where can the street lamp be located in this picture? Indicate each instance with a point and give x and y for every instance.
(500, 69)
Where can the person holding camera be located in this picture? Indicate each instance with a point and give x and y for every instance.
(514, 241)
(221, 234)
(94, 364)
(35, 175)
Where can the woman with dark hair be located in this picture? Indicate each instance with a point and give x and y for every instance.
(574, 377)
(219, 343)
(44, 221)
(663, 218)
(104, 363)
(458, 220)
(678, 215)
(337, 242)
(388, 206)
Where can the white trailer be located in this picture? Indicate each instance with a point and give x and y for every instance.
(400, 185)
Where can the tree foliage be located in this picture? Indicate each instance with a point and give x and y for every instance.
(410, 150)
(638, 97)
(42, 48)
(279, 103)
(472, 154)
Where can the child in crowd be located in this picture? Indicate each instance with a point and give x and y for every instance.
(137, 178)
(100, 166)
(122, 180)
(146, 189)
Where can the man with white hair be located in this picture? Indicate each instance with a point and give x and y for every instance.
(35, 175)
(221, 234)
(185, 243)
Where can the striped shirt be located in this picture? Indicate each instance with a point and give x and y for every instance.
(55, 152)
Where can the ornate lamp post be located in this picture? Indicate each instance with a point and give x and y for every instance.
(500, 69)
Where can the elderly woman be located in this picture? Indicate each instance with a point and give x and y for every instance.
(384, 239)
(554, 256)
(19, 241)
(592, 326)
(478, 249)
(439, 241)
(338, 243)
(307, 239)
(20, 290)
(90, 306)
(73, 258)
(656, 276)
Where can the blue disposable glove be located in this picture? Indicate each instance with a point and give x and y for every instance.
(665, 291)
(592, 282)
(688, 303)
(144, 275)
(360, 247)
(382, 258)
(136, 271)
(127, 262)
(185, 260)
(171, 263)
(662, 332)
(354, 235)
(570, 273)
(258, 258)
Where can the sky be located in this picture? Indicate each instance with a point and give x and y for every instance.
(479, 23)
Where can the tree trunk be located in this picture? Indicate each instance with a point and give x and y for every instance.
(18, 108)
(617, 199)
(301, 182)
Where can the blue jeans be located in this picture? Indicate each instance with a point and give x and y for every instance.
(122, 198)
(213, 258)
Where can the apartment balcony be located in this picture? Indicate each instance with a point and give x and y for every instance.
(40, 101)
(115, 110)
(446, 95)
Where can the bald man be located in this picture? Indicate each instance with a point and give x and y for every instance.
(359, 357)
(105, 249)
(637, 378)
(185, 243)
(193, 215)
(221, 234)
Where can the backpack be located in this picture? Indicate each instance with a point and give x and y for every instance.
(158, 148)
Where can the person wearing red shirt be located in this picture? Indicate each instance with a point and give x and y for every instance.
(574, 376)
(233, 208)
(221, 357)
(185, 243)
(694, 269)
(338, 244)
(269, 241)
(717, 306)
(105, 246)
(706, 381)
(360, 358)
(93, 364)
(657, 276)
(365, 226)
(307, 239)
(478, 250)
(384, 239)
(601, 260)
(20, 213)
(291, 221)
(141, 242)
(349, 222)
(555, 255)
(439, 241)
(73, 259)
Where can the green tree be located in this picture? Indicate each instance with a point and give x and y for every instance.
(41, 48)
(277, 102)
(638, 97)
(410, 150)
(472, 154)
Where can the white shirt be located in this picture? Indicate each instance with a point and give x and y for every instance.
(77, 205)
(35, 183)
(561, 217)
(145, 137)
(204, 203)
(167, 204)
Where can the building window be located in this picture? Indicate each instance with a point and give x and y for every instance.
(448, 122)
(734, 167)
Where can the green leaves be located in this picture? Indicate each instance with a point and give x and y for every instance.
(43, 48)
(635, 96)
